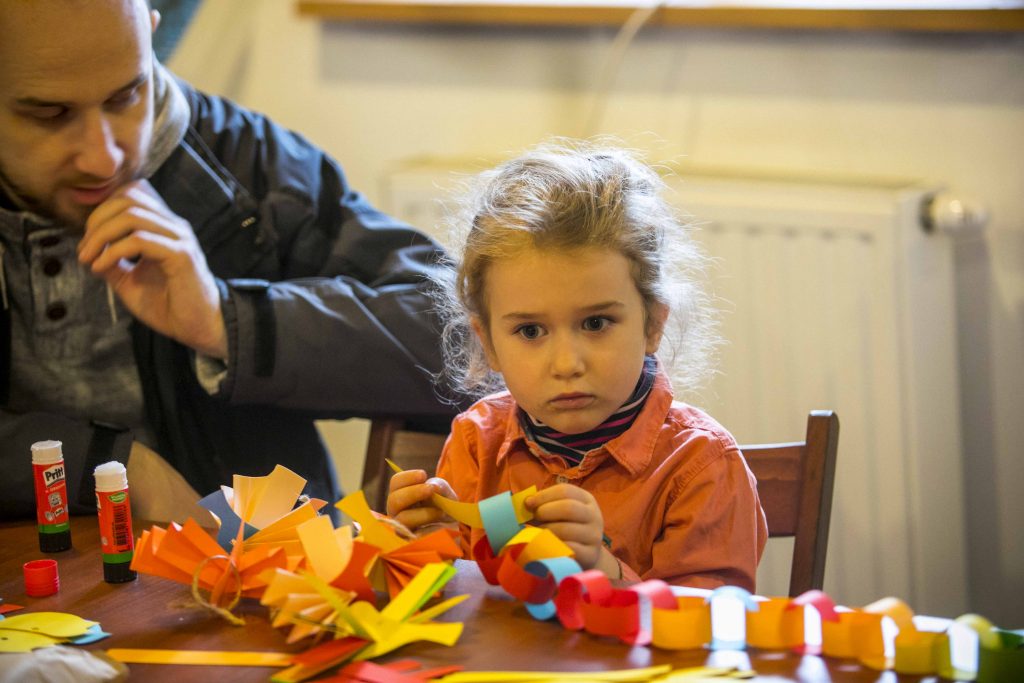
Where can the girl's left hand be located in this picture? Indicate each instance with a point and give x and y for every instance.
(572, 514)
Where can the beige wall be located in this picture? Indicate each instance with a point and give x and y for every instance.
(942, 108)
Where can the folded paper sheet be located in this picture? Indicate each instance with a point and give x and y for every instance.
(399, 559)
(264, 507)
(187, 554)
(363, 632)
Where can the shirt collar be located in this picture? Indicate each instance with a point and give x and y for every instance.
(633, 449)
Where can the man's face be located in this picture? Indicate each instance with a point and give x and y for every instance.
(76, 101)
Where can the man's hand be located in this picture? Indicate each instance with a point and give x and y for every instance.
(573, 515)
(152, 260)
(409, 499)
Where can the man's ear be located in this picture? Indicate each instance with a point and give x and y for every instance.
(658, 316)
(480, 330)
(154, 19)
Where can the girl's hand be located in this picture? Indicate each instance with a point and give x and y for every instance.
(409, 499)
(573, 515)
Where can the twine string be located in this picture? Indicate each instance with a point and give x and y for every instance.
(223, 612)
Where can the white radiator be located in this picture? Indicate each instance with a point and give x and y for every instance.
(835, 297)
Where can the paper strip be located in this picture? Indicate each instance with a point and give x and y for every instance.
(499, 520)
(503, 676)
(200, 657)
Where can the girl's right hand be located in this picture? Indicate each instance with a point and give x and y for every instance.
(409, 499)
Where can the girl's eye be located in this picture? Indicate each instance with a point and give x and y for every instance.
(596, 323)
(529, 332)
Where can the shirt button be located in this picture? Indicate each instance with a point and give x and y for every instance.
(562, 479)
(56, 311)
(51, 266)
(49, 241)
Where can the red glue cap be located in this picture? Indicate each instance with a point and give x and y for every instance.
(41, 578)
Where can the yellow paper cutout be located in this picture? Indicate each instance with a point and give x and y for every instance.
(511, 676)
(54, 624)
(200, 657)
(261, 500)
(469, 513)
(326, 559)
(26, 632)
(25, 641)
(283, 531)
(418, 591)
(403, 634)
(371, 529)
(438, 609)
(540, 544)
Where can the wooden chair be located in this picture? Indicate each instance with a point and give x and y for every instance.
(794, 482)
(389, 438)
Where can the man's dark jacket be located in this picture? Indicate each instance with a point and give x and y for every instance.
(325, 306)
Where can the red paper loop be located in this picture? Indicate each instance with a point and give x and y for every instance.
(591, 586)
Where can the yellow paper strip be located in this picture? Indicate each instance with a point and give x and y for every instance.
(284, 528)
(418, 591)
(371, 529)
(469, 513)
(200, 657)
(437, 610)
(322, 552)
(506, 676)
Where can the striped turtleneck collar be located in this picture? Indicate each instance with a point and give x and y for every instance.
(573, 447)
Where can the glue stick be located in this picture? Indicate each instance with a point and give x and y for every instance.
(115, 522)
(51, 496)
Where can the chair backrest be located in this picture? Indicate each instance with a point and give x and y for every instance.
(407, 448)
(794, 482)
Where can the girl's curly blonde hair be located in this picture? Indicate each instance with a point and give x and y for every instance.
(569, 195)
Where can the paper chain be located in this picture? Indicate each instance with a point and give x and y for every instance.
(322, 580)
(535, 570)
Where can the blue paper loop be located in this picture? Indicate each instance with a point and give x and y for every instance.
(499, 519)
(558, 568)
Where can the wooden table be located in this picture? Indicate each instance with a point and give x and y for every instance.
(499, 634)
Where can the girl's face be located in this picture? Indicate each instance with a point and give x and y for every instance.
(566, 329)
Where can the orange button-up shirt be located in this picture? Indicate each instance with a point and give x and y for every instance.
(678, 500)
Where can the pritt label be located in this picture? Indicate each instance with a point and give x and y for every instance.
(53, 474)
(51, 495)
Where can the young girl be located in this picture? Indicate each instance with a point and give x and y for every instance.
(572, 267)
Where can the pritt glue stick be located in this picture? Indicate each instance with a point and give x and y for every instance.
(51, 496)
(115, 515)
